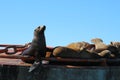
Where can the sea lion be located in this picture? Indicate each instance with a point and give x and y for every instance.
(102, 49)
(37, 48)
(70, 51)
(65, 52)
(115, 48)
(99, 45)
(75, 50)
(78, 46)
(116, 44)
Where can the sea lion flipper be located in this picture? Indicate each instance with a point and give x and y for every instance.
(34, 66)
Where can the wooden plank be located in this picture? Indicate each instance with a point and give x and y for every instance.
(59, 73)
(16, 62)
(13, 60)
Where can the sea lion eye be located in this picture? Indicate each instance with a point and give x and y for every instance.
(39, 27)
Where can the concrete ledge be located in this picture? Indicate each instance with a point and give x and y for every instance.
(55, 72)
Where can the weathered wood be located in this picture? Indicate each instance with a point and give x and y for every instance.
(15, 69)
(14, 62)
(4, 59)
(59, 73)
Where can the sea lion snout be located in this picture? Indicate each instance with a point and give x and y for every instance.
(41, 28)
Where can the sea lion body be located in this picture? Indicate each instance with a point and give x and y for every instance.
(75, 50)
(37, 48)
(115, 48)
(77, 46)
(103, 50)
(99, 45)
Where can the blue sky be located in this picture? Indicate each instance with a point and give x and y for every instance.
(66, 20)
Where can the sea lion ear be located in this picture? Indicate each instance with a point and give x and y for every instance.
(111, 43)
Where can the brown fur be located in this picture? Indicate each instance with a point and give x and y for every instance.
(116, 44)
(65, 52)
(75, 50)
(38, 44)
(102, 49)
(116, 49)
(99, 45)
(78, 46)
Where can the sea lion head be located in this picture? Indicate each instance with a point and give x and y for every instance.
(116, 44)
(39, 30)
(96, 40)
